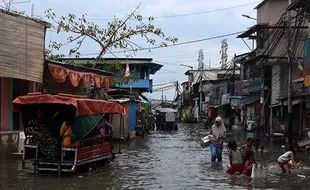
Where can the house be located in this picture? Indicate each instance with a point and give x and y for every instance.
(216, 99)
(21, 70)
(267, 66)
(247, 90)
(133, 108)
(140, 68)
(21, 62)
(73, 79)
(211, 80)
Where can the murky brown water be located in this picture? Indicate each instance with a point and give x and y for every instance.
(163, 160)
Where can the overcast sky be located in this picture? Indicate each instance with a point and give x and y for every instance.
(185, 28)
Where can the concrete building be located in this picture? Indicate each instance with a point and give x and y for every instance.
(267, 66)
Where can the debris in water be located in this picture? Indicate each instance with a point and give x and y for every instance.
(80, 176)
(302, 176)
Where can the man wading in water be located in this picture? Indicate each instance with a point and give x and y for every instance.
(259, 134)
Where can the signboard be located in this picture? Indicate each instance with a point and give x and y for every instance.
(225, 99)
(235, 101)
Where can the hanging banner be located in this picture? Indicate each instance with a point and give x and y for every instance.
(58, 74)
(87, 80)
(74, 78)
(107, 82)
(98, 81)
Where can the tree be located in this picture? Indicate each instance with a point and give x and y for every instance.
(116, 35)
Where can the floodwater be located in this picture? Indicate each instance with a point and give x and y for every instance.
(163, 160)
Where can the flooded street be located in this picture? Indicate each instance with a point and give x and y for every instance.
(163, 160)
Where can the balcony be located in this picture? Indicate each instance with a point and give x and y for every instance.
(138, 84)
(255, 84)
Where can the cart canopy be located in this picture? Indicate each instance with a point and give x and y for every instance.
(83, 106)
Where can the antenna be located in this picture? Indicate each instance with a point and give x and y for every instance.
(224, 52)
(11, 2)
(32, 10)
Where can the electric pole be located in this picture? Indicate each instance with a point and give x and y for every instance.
(233, 77)
(162, 96)
(200, 65)
(289, 97)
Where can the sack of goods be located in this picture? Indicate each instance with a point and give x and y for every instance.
(258, 171)
(206, 141)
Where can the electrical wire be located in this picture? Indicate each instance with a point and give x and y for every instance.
(181, 15)
(169, 45)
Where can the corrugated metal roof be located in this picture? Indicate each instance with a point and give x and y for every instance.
(249, 100)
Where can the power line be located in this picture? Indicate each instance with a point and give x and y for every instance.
(180, 15)
(191, 14)
(161, 84)
(171, 45)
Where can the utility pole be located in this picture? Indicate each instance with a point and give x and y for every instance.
(190, 79)
(200, 65)
(178, 98)
(289, 97)
(162, 96)
(233, 77)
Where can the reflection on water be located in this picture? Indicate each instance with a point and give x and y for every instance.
(162, 160)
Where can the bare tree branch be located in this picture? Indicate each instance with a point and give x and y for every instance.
(116, 35)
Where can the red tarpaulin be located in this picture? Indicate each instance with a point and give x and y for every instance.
(83, 106)
(59, 73)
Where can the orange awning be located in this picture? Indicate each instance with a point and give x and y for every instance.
(83, 105)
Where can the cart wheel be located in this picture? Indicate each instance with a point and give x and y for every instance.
(92, 166)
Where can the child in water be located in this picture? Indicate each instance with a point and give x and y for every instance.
(235, 158)
(249, 163)
(247, 148)
(286, 160)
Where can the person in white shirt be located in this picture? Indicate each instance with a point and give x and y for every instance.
(286, 160)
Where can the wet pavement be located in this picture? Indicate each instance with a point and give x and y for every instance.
(163, 160)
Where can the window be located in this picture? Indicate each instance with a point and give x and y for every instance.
(142, 73)
(203, 97)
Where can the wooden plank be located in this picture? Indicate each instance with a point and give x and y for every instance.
(304, 143)
(21, 47)
(11, 19)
